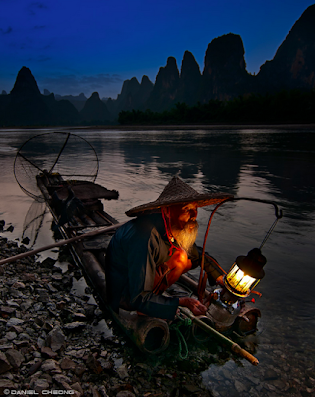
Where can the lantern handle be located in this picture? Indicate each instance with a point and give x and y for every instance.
(203, 276)
(278, 212)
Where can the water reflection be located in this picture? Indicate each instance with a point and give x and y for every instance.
(269, 164)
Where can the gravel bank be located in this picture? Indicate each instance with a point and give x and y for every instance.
(51, 343)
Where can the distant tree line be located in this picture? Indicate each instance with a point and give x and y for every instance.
(293, 106)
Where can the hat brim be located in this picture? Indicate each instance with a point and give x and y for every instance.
(201, 200)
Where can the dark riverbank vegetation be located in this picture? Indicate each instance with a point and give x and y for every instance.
(292, 106)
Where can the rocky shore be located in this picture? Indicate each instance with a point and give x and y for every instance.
(50, 342)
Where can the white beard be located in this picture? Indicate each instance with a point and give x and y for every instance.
(186, 237)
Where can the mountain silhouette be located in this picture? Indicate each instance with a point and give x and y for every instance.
(94, 111)
(26, 106)
(293, 66)
(224, 77)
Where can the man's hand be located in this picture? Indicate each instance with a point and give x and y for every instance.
(194, 305)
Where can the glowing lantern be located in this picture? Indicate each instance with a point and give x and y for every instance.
(245, 273)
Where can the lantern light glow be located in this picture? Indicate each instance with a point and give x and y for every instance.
(238, 282)
(245, 273)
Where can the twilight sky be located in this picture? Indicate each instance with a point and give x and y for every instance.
(74, 46)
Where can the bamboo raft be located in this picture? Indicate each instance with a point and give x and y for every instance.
(78, 211)
(79, 206)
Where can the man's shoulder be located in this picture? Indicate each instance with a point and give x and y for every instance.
(142, 226)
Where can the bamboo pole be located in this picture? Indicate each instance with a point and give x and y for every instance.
(61, 243)
(226, 341)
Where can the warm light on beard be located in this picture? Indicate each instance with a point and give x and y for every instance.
(186, 237)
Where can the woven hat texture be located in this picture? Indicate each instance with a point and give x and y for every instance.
(178, 192)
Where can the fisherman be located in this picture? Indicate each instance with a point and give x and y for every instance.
(150, 253)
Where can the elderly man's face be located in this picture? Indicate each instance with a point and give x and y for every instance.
(184, 226)
(183, 216)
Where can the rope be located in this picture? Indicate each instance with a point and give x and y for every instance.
(202, 276)
(181, 340)
(269, 233)
(167, 225)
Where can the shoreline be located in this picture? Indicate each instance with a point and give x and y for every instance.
(306, 127)
(208, 127)
(52, 338)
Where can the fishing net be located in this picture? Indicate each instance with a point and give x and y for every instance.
(65, 153)
(33, 222)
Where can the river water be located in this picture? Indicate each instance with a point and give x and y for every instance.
(276, 164)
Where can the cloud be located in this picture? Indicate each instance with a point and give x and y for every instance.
(6, 31)
(68, 84)
(75, 81)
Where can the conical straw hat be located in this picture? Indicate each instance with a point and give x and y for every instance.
(178, 192)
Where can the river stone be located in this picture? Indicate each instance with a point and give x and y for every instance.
(4, 363)
(61, 379)
(6, 384)
(14, 321)
(18, 285)
(7, 309)
(12, 303)
(77, 353)
(79, 316)
(240, 387)
(253, 379)
(50, 365)
(94, 364)
(47, 326)
(17, 328)
(122, 371)
(55, 339)
(38, 307)
(61, 305)
(191, 389)
(40, 385)
(28, 277)
(278, 383)
(106, 364)
(51, 306)
(21, 343)
(43, 297)
(80, 369)
(6, 346)
(16, 293)
(11, 335)
(47, 351)
(24, 336)
(15, 358)
(67, 363)
(76, 386)
(125, 393)
(40, 342)
(74, 326)
(34, 368)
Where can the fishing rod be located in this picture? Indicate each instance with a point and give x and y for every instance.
(61, 243)
(236, 348)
